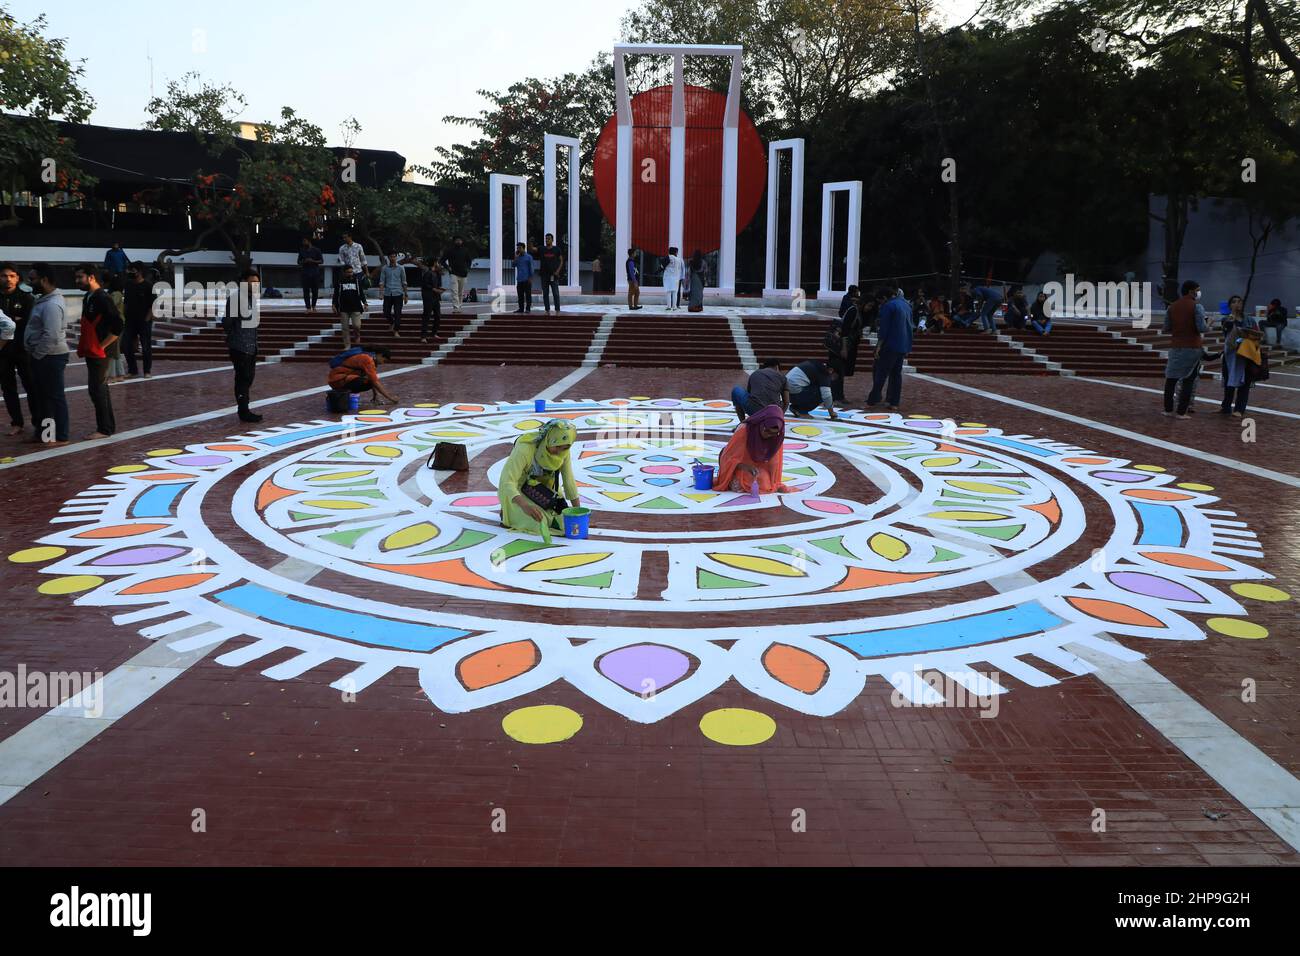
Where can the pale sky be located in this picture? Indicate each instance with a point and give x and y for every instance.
(398, 72)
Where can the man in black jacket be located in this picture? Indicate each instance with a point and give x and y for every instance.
(350, 303)
(240, 323)
(138, 302)
(15, 366)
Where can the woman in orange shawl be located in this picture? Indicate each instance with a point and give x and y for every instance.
(754, 454)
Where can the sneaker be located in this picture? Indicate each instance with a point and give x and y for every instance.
(15, 430)
(249, 417)
(424, 341)
(1167, 414)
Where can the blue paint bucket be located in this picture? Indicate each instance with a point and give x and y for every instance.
(354, 403)
(577, 522)
(1223, 307)
(703, 477)
(539, 406)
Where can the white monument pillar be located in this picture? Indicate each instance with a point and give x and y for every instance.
(573, 258)
(628, 165)
(854, 189)
(496, 260)
(774, 150)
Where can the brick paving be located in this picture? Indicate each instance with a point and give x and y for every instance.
(288, 774)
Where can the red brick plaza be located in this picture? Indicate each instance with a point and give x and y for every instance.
(1025, 621)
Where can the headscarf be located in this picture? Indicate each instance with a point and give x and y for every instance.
(760, 448)
(554, 432)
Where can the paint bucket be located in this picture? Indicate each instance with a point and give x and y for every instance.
(577, 521)
(1223, 307)
(354, 403)
(703, 477)
(539, 406)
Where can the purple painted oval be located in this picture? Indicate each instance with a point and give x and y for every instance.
(1119, 476)
(132, 556)
(645, 667)
(202, 461)
(925, 424)
(1152, 586)
(423, 413)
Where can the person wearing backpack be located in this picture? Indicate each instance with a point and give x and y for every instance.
(349, 302)
(356, 370)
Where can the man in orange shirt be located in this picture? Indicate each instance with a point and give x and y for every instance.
(355, 371)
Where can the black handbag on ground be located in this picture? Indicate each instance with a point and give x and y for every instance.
(448, 456)
(338, 400)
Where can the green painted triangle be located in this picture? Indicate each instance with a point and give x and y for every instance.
(969, 497)
(710, 581)
(376, 493)
(1022, 484)
(802, 471)
(835, 546)
(342, 454)
(986, 466)
(592, 581)
(784, 549)
(345, 538)
(913, 454)
(301, 516)
(610, 481)
(1002, 534)
(302, 472)
(467, 539)
(943, 554)
(663, 504)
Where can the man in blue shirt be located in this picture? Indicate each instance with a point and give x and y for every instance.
(525, 266)
(115, 260)
(894, 343)
(992, 299)
(633, 282)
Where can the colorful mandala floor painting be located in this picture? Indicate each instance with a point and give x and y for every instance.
(994, 537)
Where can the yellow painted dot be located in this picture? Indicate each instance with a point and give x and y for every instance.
(37, 555)
(427, 405)
(1235, 627)
(692, 399)
(973, 425)
(1192, 486)
(164, 452)
(72, 585)
(738, 728)
(374, 411)
(1260, 592)
(542, 725)
(926, 418)
(127, 469)
(1153, 468)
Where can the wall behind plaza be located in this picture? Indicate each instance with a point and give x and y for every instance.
(1216, 253)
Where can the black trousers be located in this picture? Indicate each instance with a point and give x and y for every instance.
(310, 291)
(142, 332)
(1236, 399)
(245, 371)
(1185, 388)
(525, 292)
(97, 386)
(432, 310)
(16, 367)
(393, 311)
(551, 287)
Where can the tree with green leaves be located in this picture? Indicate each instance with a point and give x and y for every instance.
(38, 87)
(283, 177)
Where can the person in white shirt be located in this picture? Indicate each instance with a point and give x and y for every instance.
(674, 268)
(351, 254)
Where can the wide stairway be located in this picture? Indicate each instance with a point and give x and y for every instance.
(672, 340)
(1092, 352)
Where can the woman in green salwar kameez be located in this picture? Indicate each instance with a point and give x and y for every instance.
(540, 458)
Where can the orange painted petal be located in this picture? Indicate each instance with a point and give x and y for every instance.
(177, 582)
(1050, 509)
(860, 578)
(796, 668)
(121, 531)
(1188, 561)
(1114, 612)
(452, 572)
(496, 665)
(270, 493)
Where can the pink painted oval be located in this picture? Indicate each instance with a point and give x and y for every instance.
(829, 507)
(476, 501)
(663, 470)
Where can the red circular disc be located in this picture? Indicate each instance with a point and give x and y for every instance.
(651, 138)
